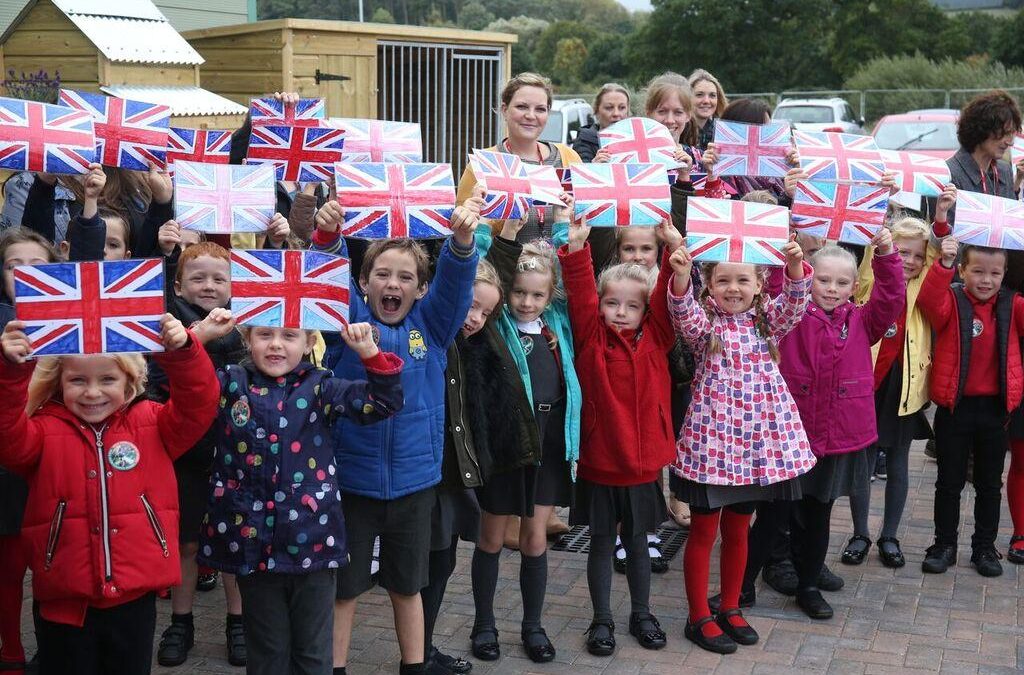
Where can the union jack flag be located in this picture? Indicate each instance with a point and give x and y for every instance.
(565, 178)
(308, 112)
(380, 141)
(752, 149)
(304, 154)
(916, 172)
(839, 158)
(290, 289)
(639, 140)
(223, 198)
(129, 134)
(91, 307)
(42, 137)
(724, 230)
(986, 220)
(619, 195)
(197, 145)
(387, 201)
(507, 182)
(1017, 150)
(840, 212)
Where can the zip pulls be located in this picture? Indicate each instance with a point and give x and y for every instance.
(154, 522)
(108, 572)
(55, 527)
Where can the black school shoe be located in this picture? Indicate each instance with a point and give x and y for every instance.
(537, 645)
(829, 580)
(647, 631)
(207, 582)
(741, 635)
(484, 643)
(938, 558)
(986, 561)
(1015, 554)
(235, 633)
(720, 644)
(747, 600)
(856, 550)
(890, 552)
(175, 642)
(601, 638)
(814, 604)
(439, 663)
(781, 576)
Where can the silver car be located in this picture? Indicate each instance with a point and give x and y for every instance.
(819, 114)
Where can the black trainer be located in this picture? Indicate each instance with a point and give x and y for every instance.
(829, 580)
(747, 600)
(235, 633)
(986, 561)
(175, 643)
(814, 604)
(938, 558)
(781, 576)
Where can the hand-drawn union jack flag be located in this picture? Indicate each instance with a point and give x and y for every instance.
(752, 149)
(308, 112)
(387, 201)
(724, 230)
(507, 182)
(619, 195)
(207, 146)
(380, 141)
(840, 212)
(290, 289)
(639, 140)
(986, 220)
(42, 137)
(223, 198)
(305, 154)
(91, 307)
(917, 172)
(839, 158)
(129, 134)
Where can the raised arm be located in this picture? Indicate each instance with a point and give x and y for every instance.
(888, 295)
(21, 444)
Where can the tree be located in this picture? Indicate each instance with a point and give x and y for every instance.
(570, 55)
(381, 15)
(606, 61)
(547, 43)
(1010, 47)
(608, 16)
(529, 31)
(475, 16)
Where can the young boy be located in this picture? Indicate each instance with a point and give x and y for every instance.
(387, 471)
(977, 379)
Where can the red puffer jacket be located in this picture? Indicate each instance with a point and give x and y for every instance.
(101, 524)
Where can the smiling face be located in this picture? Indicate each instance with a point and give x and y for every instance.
(734, 285)
(623, 304)
(614, 107)
(526, 113)
(913, 253)
(205, 282)
(393, 286)
(638, 245)
(835, 280)
(982, 272)
(276, 351)
(705, 101)
(23, 253)
(996, 146)
(531, 293)
(93, 387)
(485, 298)
(672, 114)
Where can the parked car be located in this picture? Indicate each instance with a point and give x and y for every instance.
(565, 119)
(930, 132)
(819, 114)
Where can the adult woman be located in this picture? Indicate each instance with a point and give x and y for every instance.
(709, 103)
(610, 105)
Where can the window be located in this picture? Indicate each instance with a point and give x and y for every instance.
(848, 115)
(808, 114)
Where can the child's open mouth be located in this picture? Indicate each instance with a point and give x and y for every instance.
(390, 303)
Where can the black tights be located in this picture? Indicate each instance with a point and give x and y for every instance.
(442, 564)
(599, 573)
(810, 540)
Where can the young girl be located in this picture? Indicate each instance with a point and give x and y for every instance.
(622, 357)
(742, 441)
(535, 328)
(97, 457)
(826, 361)
(903, 361)
(274, 513)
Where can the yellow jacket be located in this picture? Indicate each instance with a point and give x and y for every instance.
(917, 346)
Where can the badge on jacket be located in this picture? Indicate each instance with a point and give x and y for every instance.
(123, 456)
(417, 346)
(977, 328)
(891, 333)
(240, 412)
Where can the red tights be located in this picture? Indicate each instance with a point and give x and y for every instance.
(13, 564)
(697, 563)
(1015, 489)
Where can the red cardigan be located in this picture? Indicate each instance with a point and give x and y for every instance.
(101, 523)
(626, 434)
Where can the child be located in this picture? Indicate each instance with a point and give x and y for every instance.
(976, 382)
(274, 514)
(622, 359)
(97, 458)
(903, 360)
(733, 330)
(201, 283)
(388, 471)
(826, 362)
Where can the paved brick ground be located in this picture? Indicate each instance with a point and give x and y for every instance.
(886, 621)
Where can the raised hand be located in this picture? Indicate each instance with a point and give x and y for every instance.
(794, 258)
(578, 233)
(946, 201)
(14, 343)
(883, 241)
(463, 223)
(218, 323)
(160, 184)
(681, 263)
(949, 249)
(359, 338)
(564, 211)
(792, 177)
(330, 216)
(168, 237)
(278, 230)
(94, 182)
(669, 235)
(172, 333)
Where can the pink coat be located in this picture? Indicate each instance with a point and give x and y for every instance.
(742, 427)
(827, 363)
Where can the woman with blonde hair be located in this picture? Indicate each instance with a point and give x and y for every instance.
(709, 103)
(611, 105)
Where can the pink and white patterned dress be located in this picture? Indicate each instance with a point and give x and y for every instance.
(743, 426)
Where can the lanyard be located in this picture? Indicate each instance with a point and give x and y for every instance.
(984, 182)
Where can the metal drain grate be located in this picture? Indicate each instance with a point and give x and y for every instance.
(577, 540)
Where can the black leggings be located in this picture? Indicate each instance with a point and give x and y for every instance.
(810, 531)
(442, 564)
(769, 539)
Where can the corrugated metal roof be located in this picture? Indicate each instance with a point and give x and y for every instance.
(184, 101)
(129, 9)
(136, 40)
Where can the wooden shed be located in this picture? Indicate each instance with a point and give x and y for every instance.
(448, 80)
(123, 48)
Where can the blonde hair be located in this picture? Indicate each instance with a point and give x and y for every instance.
(760, 197)
(539, 256)
(45, 384)
(701, 75)
(762, 326)
(672, 84)
(526, 80)
(835, 252)
(611, 88)
(626, 272)
(487, 274)
(908, 227)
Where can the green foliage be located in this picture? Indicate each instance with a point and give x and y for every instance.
(381, 15)
(606, 61)
(1009, 47)
(570, 55)
(981, 31)
(475, 16)
(529, 31)
(547, 44)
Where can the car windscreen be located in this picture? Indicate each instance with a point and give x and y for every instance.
(553, 129)
(896, 135)
(808, 114)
